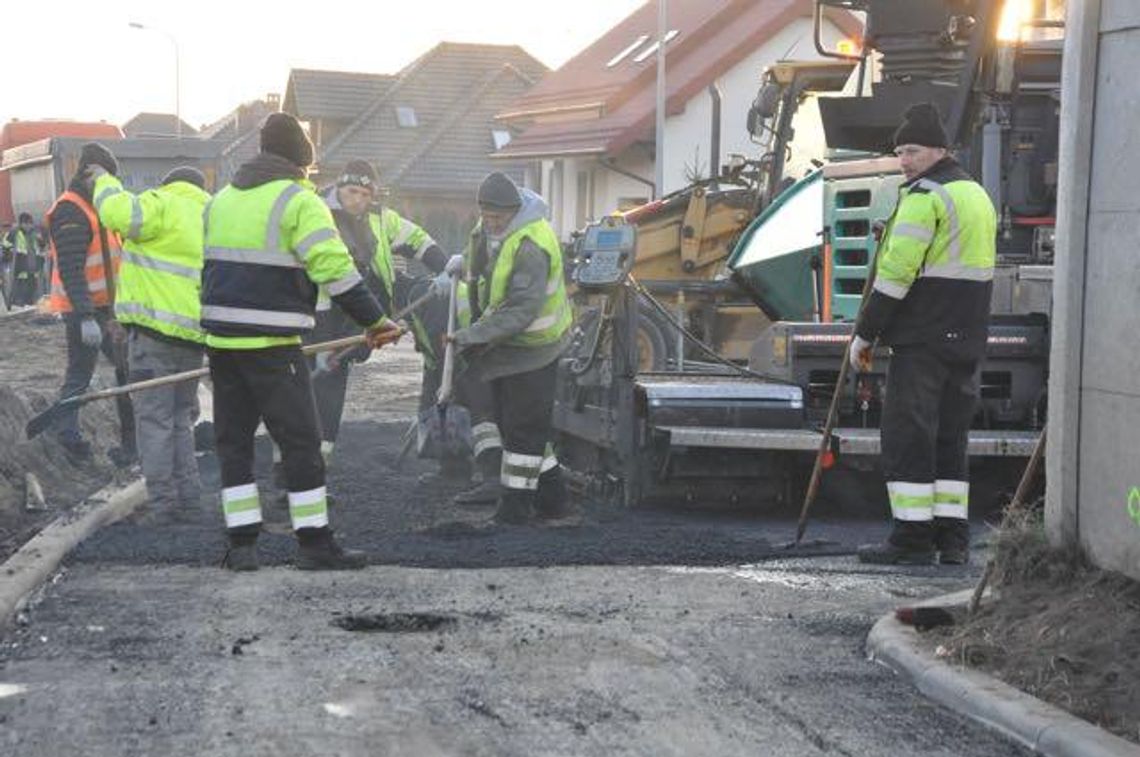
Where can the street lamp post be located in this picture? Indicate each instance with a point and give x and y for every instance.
(177, 74)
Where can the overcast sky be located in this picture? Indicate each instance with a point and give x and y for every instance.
(79, 59)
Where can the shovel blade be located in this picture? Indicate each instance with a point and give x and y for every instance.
(45, 420)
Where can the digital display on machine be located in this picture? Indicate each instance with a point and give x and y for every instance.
(608, 239)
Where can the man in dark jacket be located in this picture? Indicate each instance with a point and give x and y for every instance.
(80, 246)
(930, 304)
(22, 245)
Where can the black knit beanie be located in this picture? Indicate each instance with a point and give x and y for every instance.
(922, 125)
(188, 174)
(282, 135)
(358, 173)
(95, 154)
(498, 192)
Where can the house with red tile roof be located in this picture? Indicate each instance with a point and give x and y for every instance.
(590, 124)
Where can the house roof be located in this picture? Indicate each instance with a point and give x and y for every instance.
(335, 95)
(600, 101)
(156, 125)
(453, 92)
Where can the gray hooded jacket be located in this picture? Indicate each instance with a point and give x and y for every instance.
(482, 344)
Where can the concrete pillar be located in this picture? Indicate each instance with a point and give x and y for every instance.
(1094, 424)
(1078, 86)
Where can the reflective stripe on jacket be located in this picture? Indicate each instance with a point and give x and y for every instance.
(555, 318)
(95, 272)
(935, 265)
(161, 271)
(267, 248)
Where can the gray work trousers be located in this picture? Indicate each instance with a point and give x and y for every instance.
(164, 418)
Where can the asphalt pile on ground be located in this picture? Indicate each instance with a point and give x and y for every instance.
(399, 521)
(1057, 628)
(31, 371)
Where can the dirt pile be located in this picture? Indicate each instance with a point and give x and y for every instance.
(30, 374)
(1057, 628)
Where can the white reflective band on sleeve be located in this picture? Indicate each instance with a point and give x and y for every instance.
(552, 286)
(311, 497)
(913, 231)
(947, 510)
(543, 323)
(424, 245)
(405, 233)
(890, 288)
(549, 463)
(342, 285)
(327, 447)
(315, 238)
(106, 194)
(136, 219)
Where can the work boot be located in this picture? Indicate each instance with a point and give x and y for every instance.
(318, 550)
(490, 463)
(515, 508)
(952, 540)
(242, 553)
(551, 502)
(910, 543)
(485, 493)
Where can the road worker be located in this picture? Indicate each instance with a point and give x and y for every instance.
(930, 305)
(158, 304)
(521, 319)
(373, 235)
(85, 260)
(270, 242)
(22, 247)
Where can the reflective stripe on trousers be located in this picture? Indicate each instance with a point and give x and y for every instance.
(241, 505)
(952, 499)
(521, 471)
(911, 502)
(309, 509)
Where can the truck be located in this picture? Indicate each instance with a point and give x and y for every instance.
(747, 431)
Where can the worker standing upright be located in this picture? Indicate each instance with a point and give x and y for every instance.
(158, 303)
(85, 262)
(270, 242)
(521, 325)
(23, 246)
(931, 305)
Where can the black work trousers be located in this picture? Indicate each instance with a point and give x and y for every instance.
(524, 407)
(270, 385)
(331, 388)
(81, 361)
(926, 417)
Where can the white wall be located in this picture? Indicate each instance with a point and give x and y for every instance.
(688, 135)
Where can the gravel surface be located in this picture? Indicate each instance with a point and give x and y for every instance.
(656, 632)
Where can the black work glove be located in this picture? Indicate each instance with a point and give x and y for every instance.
(95, 154)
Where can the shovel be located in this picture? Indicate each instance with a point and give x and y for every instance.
(41, 422)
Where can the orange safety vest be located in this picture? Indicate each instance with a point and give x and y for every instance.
(95, 270)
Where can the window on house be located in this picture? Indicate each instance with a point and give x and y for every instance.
(501, 138)
(641, 56)
(406, 117)
(624, 53)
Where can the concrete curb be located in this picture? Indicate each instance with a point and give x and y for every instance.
(1041, 727)
(33, 563)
